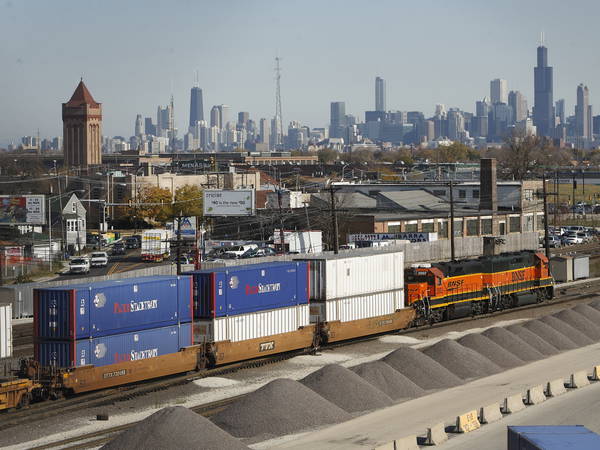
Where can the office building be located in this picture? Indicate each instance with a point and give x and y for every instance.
(543, 109)
(243, 118)
(583, 120)
(82, 129)
(499, 91)
(265, 132)
(139, 126)
(337, 122)
(560, 111)
(379, 94)
(196, 106)
(518, 104)
(149, 127)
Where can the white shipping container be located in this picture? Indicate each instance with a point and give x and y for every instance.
(581, 267)
(340, 277)
(358, 307)
(255, 325)
(5, 331)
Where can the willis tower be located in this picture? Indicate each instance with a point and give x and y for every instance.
(543, 110)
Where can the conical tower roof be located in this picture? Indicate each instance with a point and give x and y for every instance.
(82, 96)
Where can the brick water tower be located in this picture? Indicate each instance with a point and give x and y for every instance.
(82, 129)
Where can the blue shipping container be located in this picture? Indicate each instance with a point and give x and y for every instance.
(548, 437)
(81, 311)
(117, 348)
(244, 289)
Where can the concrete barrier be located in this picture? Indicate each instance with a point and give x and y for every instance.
(436, 435)
(535, 395)
(555, 388)
(387, 446)
(465, 423)
(407, 443)
(579, 379)
(596, 373)
(490, 413)
(513, 404)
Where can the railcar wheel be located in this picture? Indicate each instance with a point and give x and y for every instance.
(436, 315)
(25, 400)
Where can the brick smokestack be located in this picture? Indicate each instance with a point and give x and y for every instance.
(488, 195)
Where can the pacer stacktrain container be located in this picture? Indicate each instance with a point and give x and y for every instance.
(246, 289)
(254, 310)
(358, 295)
(5, 330)
(114, 349)
(112, 307)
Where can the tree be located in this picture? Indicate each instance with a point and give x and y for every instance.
(188, 201)
(327, 155)
(155, 204)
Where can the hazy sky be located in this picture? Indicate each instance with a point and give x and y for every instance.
(133, 53)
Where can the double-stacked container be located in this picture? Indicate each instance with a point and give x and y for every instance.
(112, 321)
(242, 303)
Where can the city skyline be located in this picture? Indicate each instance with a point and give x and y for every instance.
(306, 96)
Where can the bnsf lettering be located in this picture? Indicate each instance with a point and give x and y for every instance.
(266, 346)
(120, 308)
(518, 276)
(455, 284)
(136, 356)
(383, 323)
(263, 288)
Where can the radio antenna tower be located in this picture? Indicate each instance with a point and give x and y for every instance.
(172, 125)
(278, 116)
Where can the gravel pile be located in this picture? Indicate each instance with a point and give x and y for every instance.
(591, 313)
(580, 323)
(281, 407)
(421, 369)
(388, 380)
(175, 427)
(346, 389)
(513, 344)
(575, 335)
(533, 339)
(460, 360)
(550, 335)
(492, 351)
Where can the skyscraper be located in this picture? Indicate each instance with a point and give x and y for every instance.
(265, 131)
(543, 109)
(516, 100)
(379, 94)
(215, 117)
(243, 118)
(139, 125)
(82, 129)
(583, 113)
(560, 110)
(498, 91)
(196, 106)
(337, 119)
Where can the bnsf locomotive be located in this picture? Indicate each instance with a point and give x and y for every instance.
(437, 292)
(449, 290)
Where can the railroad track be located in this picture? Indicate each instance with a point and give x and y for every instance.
(574, 293)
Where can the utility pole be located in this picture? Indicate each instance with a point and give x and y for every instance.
(545, 194)
(334, 221)
(451, 227)
(279, 204)
(573, 200)
(50, 232)
(179, 244)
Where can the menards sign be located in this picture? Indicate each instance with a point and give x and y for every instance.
(412, 237)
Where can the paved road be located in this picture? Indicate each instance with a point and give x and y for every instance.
(413, 417)
(579, 407)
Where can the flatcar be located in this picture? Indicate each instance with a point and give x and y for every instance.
(431, 293)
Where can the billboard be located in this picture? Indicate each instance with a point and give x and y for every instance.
(238, 202)
(22, 210)
(409, 236)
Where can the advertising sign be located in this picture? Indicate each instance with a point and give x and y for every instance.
(229, 203)
(187, 228)
(22, 210)
(412, 237)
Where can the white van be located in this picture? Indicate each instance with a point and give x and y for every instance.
(239, 250)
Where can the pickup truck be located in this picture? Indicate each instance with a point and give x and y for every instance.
(99, 259)
(79, 265)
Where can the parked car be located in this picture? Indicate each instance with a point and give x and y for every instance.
(134, 241)
(239, 250)
(99, 259)
(118, 249)
(571, 238)
(554, 241)
(184, 260)
(79, 265)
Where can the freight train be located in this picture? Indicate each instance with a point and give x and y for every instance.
(114, 333)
